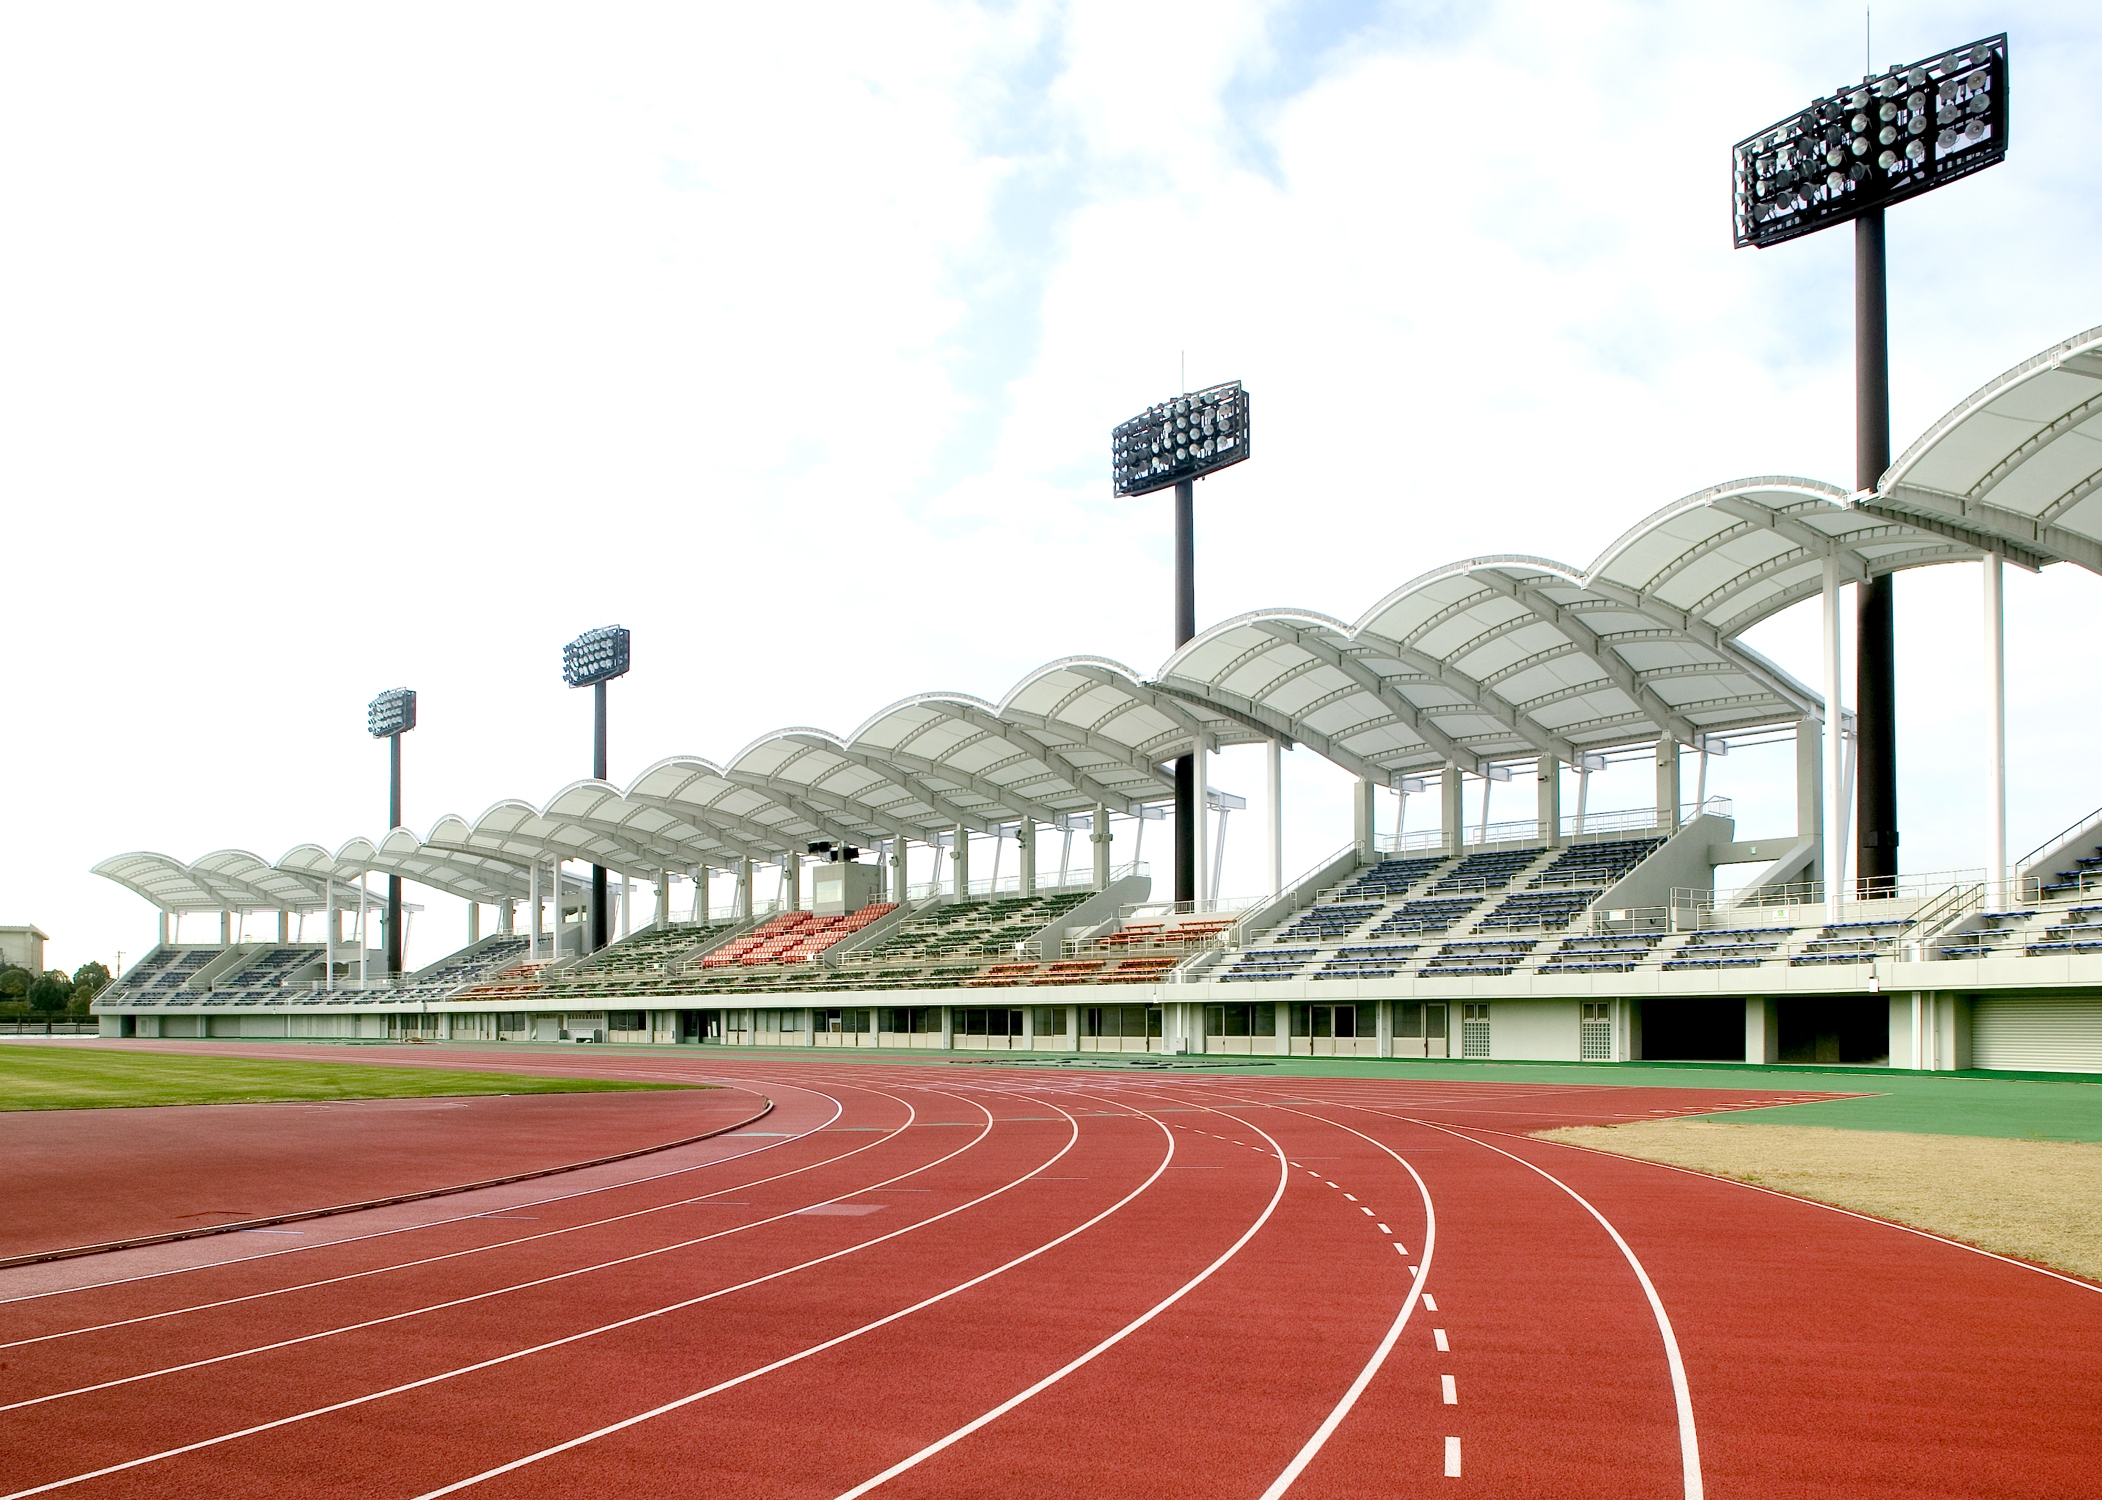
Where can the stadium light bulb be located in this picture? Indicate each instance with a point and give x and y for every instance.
(1883, 126)
(595, 656)
(1186, 438)
(392, 712)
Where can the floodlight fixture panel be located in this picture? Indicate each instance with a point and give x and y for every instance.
(1191, 436)
(1886, 139)
(595, 656)
(392, 712)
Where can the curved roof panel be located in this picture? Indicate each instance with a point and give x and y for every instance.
(1503, 657)
(2017, 464)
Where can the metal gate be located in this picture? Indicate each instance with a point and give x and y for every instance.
(2039, 1035)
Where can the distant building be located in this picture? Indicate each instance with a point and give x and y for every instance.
(24, 947)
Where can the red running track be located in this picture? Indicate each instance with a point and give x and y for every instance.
(943, 1281)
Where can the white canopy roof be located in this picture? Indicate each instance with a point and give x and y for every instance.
(1505, 657)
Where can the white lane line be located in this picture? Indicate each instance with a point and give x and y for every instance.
(380, 1234)
(1452, 1458)
(704, 1200)
(1449, 1391)
(1412, 1270)
(1383, 1229)
(1334, 1419)
(1682, 1397)
(1430, 1302)
(1353, 1197)
(1062, 1372)
(1438, 1335)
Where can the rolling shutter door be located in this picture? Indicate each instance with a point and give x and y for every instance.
(2055, 1036)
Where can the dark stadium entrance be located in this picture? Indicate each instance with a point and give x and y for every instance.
(1849, 1029)
(1701, 1030)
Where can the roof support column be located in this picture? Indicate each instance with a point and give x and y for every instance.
(534, 918)
(164, 924)
(1810, 789)
(1832, 842)
(507, 916)
(364, 943)
(1450, 811)
(700, 893)
(1274, 814)
(1025, 853)
(1364, 830)
(1098, 839)
(1667, 785)
(900, 869)
(474, 921)
(1548, 802)
(792, 880)
(1201, 828)
(627, 901)
(328, 930)
(960, 863)
(741, 908)
(1995, 733)
(226, 928)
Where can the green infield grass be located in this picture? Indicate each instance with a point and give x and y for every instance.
(81, 1078)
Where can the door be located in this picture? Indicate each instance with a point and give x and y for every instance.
(1435, 1041)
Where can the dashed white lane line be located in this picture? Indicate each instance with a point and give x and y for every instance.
(1368, 1214)
(1452, 1458)
(1439, 1335)
(1353, 1197)
(1430, 1303)
(1383, 1229)
(1450, 1391)
(1412, 1270)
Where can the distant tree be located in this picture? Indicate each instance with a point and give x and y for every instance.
(14, 982)
(93, 974)
(52, 991)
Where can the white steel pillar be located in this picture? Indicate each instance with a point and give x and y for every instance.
(1099, 838)
(1025, 854)
(627, 903)
(1451, 811)
(1547, 802)
(1996, 731)
(534, 918)
(507, 916)
(364, 947)
(960, 867)
(700, 893)
(1274, 801)
(1668, 789)
(741, 909)
(328, 930)
(1810, 788)
(900, 869)
(1834, 838)
(474, 921)
(1364, 829)
(1203, 762)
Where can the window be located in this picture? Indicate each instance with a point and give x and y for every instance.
(906, 1019)
(1408, 1018)
(972, 1021)
(627, 1020)
(1595, 1032)
(1050, 1020)
(1120, 1021)
(1474, 1030)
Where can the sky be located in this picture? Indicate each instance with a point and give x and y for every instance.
(349, 348)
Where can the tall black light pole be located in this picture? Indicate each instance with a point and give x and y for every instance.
(1848, 156)
(1177, 443)
(388, 717)
(592, 660)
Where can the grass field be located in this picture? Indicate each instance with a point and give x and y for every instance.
(35, 1077)
(2027, 1198)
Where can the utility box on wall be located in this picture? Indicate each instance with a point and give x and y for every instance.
(837, 889)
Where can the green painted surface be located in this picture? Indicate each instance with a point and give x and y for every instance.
(83, 1078)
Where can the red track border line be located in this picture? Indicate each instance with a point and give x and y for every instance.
(173, 1235)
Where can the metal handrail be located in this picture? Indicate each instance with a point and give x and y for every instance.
(2060, 837)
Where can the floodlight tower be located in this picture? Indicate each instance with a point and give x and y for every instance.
(1894, 136)
(388, 717)
(592, 660)
(1177, 443)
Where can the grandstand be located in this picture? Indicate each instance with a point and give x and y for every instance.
(1593, 935)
